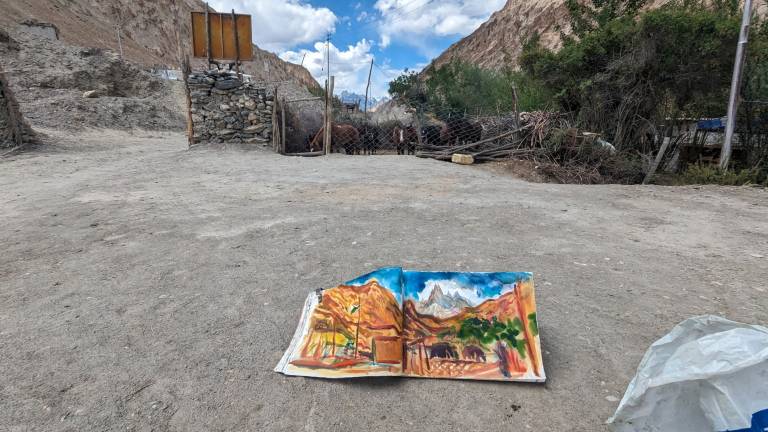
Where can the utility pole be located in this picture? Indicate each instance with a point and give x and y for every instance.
(302, 59)
(328, 56)
(368, 86)
(733, 101)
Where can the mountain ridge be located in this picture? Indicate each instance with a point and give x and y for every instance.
(151, 32)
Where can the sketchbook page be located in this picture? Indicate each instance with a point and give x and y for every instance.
(478, 326)
(352, 330)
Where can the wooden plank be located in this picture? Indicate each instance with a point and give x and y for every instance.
(656, 162)
(225, 42)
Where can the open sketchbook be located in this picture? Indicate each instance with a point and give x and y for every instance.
(392, 322)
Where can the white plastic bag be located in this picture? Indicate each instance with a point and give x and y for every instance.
(707, 374)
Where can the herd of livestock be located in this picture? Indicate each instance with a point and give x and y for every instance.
(370, 138)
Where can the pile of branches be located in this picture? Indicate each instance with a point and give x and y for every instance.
(507, 140)
(542, 124)
(498, 147)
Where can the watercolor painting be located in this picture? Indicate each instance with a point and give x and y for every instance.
(471, 326)
(354, 329)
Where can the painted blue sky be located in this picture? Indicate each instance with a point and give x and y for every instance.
(396, 34)
(474, 287)
(389, 277)
(417, 285)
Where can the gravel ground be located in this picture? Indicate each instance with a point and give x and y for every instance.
(144, 286)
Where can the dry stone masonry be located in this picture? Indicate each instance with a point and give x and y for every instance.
(226, 109)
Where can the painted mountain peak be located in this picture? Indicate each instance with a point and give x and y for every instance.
(442, 305)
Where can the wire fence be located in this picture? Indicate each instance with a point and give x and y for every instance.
(407, 125)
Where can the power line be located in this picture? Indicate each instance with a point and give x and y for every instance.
(402, 16)
(405, 5)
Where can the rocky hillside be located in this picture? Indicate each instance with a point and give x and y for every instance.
(151, 31)
(499, 41)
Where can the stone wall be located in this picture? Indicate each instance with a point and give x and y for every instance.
(14, 131)
(226, 109)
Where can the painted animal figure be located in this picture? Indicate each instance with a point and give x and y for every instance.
(474, 353)
(405, 139)
(342, 136)
(430, 135)
(443, 350)
(460, 130)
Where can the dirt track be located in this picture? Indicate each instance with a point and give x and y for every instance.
(144, 286)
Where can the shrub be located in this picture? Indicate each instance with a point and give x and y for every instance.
(702, 174)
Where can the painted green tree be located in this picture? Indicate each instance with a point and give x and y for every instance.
(485, 332)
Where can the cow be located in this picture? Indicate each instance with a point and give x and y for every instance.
(443, 350)
(430, 135)
(342, 136)
(474, 353)
(459, 130)
(405, 139)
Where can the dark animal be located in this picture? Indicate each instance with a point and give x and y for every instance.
(460, 130)
(342, 136)
(430, 135)
(370, 135)
(405, 139)
(443, 350)
(472, 352)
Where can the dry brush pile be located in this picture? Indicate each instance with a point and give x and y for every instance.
(559, 151)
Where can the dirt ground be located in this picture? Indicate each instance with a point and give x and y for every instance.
(144, 286)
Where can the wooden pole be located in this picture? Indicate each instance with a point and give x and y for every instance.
(418, 130)
(185, 71)
(208, 35)
(733, 100)
(221, 28)
(237, 45)
(329, 117)
(274, 121)
(368, 86)
(326, 146)
(515, 107)
(655, 164)
(282, 126)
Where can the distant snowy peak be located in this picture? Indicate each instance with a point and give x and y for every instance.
(352, 97)
(442, 305)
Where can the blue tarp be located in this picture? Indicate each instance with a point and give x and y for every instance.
(711, 124)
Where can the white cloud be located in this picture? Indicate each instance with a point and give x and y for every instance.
(278, 25)
(411, 20)
(450, 287)
(346, 65)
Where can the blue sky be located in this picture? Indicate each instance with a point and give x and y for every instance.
(396, 34)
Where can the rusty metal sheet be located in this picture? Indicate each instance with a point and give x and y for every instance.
(222, 36)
